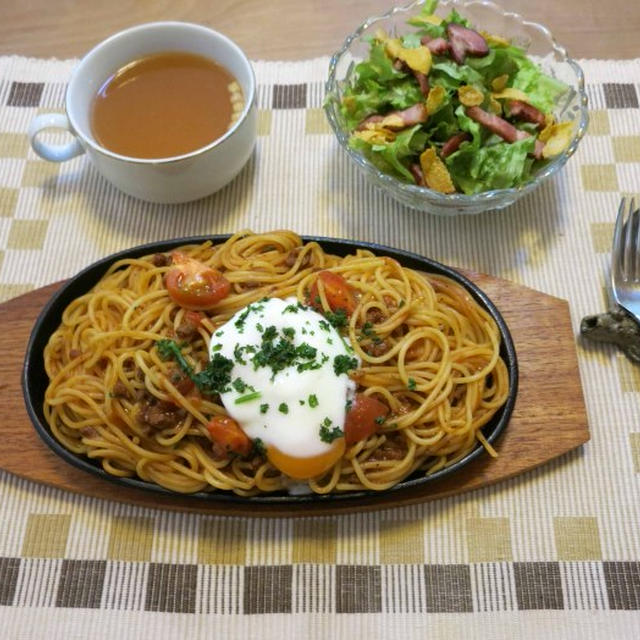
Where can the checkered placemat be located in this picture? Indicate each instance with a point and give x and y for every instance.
(555, 553)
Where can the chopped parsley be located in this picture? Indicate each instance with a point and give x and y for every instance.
(254, 395)
(368, 332)
(343, 364)
(264, 408)
(214, 378)
(259, 448)
(380, 419)
(411, 385)
(337, 318)
(278, 353)
(283, 408)
(329, 432)
(240, 385)
(237, 354)
(289, 332)
(313, 400)
(293, 308)
(239, 323)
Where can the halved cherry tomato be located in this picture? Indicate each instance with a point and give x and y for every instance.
(227, 434)
(363, 418)
(194, 285)
(339, 293)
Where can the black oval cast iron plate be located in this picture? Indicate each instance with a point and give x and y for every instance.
(35, 380)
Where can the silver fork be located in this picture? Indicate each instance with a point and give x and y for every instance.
(625, 258)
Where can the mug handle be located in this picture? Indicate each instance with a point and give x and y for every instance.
(53, 152)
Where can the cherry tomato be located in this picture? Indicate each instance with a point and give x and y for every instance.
(363, 418)
(194, 285)
(339, 293)
(227, 434)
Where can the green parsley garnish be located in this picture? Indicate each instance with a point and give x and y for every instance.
(248, 397)
(313, 400)
(237, 354)
(329, 433)
(264, 408)
(343, 364)
(278, 353)
(411, 384)
(240, 385)
(259, 448)
(337, 318)
(283, 408)
(368, 332)
(214, 378)
(239, 323)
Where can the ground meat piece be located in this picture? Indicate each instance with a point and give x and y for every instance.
(181, 382)
(251, 284)
(75, 353)
(161, 260)
(187, 329)
(377, 349)
(375, 316)
(120, 390)
(394, 448)
(159, 414)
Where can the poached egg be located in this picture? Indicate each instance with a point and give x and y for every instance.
(289, 383)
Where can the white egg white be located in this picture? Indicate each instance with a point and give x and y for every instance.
(298, 407)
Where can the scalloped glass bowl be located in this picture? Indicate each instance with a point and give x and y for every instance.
(540, 46)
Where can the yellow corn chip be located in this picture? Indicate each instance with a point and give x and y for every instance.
(546, 133)
(393, 121)
(500, 82)
(393, 47)
(435, 173)
(375, 136)
(470, 96)
(558, 140)
(509, 93)
(495, 41)
(494, 106)
(435, 99)
(418, 59)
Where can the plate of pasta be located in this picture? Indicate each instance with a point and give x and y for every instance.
(269, 368)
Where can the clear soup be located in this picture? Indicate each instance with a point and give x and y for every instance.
(164, 105)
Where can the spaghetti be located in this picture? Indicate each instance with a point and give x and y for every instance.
(427, 351)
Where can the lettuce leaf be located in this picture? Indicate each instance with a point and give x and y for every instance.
(394, 157)
(543, 90)
(499, 166)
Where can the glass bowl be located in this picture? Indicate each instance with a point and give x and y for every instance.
(483, 15)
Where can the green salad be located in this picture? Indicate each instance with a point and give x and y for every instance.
(453, 109)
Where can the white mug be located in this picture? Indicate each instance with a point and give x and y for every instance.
(167, 180)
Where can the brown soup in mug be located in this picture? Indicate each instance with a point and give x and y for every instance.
(166, 104)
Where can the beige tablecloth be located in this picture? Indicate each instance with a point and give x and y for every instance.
(554, 553)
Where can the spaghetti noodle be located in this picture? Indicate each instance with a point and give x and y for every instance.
(427, 351)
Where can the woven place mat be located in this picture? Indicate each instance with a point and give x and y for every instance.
(543, 549)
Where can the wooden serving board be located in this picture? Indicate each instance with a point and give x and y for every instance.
(545, 423)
